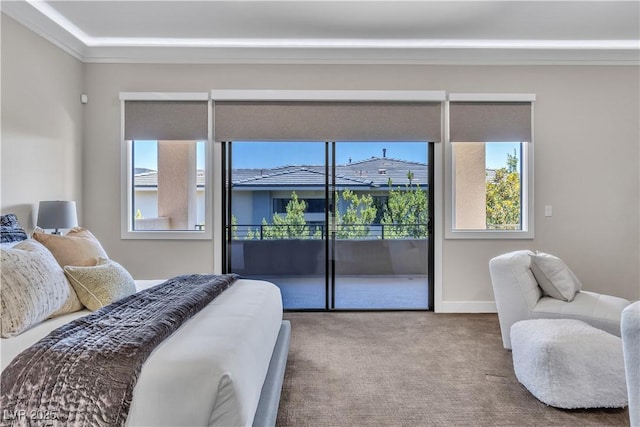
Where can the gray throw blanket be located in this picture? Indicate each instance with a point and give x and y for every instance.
(84, 372)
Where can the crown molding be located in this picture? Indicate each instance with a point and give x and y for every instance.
(427, 56)
(42, 25)
(321, 51)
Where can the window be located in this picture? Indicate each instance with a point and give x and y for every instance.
(168, 185)
(490, 153)
(488, 184)
(165, 189)
(312, 205)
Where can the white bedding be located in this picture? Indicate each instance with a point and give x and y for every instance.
(210, 372)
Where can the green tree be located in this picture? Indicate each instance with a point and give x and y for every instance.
(234, 227)
(512, 162)
(406, 213)
(357, 219)
(503, 197)
(290, 226)
(410, 177)
(251, 235)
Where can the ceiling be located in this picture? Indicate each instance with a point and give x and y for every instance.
(447, 32)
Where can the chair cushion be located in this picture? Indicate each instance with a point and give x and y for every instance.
(598, 310)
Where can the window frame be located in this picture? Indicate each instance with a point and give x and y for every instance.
(126, 178)
(527, 176)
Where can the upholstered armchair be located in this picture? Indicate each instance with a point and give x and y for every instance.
(630, 328)
(519, 297)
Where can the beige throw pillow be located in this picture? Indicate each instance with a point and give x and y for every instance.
(33, 288)
(554, 277)
(102, 284)
(78, 247)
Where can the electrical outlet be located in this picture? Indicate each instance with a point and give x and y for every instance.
(548, 210)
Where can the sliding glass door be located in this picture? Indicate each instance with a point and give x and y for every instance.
(379, 248)
(276, 216)
(336, 225)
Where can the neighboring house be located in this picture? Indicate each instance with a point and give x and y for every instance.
(259, 193)
(146, 194)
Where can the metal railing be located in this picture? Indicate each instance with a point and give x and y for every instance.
(319, 231)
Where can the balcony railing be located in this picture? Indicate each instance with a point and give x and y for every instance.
(319, 231)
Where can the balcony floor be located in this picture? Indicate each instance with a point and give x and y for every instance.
(408, 292)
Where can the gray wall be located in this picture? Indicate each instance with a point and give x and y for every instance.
(41, 123)
(587, 160)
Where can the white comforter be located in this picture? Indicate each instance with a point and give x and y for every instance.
(210, 372)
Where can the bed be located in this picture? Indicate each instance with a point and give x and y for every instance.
(223, 367)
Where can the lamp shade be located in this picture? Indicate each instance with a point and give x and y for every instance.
(57, 214)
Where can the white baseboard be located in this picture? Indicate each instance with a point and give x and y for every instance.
(465, 307)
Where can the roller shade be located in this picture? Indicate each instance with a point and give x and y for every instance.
(326, 121)
(490, 121)
(166, 120)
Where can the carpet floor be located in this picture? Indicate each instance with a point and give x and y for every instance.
(411, 369)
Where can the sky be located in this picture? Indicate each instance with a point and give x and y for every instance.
(267, 155)
(496, 153)
(145, 154)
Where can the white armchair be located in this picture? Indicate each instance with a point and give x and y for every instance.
(519, 297)
(630, 328)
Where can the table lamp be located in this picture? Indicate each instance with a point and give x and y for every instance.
(56, 215)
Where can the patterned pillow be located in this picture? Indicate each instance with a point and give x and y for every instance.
(33, 287)
(101, 284)
(11, 230)
(78, 247)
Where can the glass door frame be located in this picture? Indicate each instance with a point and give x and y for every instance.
(330, 227)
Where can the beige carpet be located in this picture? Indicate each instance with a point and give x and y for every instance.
(411, 369)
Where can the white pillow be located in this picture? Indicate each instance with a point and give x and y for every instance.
(554, 277)
(33, 287)
(102, 284)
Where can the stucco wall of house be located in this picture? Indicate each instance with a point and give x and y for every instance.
(147, 203)
(587, 154)
(41, 124)
(243, 207)
(260, 206)
(470, 186)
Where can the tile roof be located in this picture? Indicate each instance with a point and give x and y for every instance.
(149, 179)
(379, 170)
(295, 175)
(373, 172)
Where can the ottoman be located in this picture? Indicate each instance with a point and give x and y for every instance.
(569, 364)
